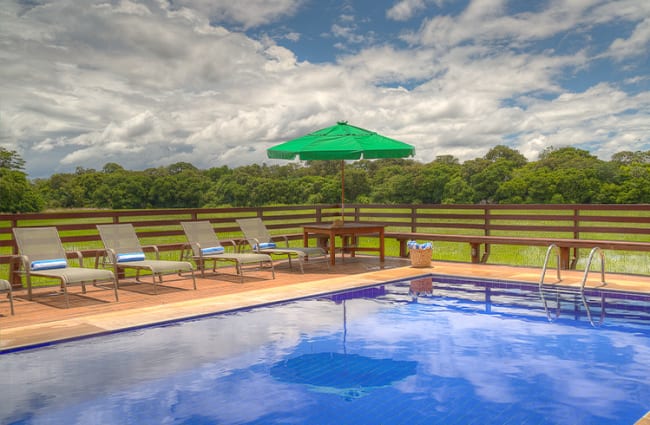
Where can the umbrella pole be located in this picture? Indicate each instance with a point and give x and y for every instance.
(342, 190)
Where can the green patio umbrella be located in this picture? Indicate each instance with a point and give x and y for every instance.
(340, 142)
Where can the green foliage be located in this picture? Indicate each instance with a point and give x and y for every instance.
(503, 175)
(17, 194)
(10, 160)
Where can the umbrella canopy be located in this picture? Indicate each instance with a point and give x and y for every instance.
(341, 141)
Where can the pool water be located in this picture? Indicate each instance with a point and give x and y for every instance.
(412, 352)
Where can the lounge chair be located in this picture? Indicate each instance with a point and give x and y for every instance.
(125, 252)
(6, 287)
(261, 241)
(42, 254)
(205, 246)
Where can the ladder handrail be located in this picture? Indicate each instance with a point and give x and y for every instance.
(541, 279)
(582, 286)
(594, 250)
(584, 280)
(588, 266)
(548, 254)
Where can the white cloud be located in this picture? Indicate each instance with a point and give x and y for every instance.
(405, 9)
(83, 86)
(486, 21)
(248, 14)
(637, 44)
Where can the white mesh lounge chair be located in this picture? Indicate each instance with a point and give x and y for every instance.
(260, 240)
(42, 254)
(205, 246)
(125, 252)
(6, 287)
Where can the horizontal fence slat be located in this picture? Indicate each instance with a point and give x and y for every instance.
(615, 222)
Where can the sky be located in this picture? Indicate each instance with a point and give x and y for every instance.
(217, 82)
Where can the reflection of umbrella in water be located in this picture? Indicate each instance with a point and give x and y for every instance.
(348, 375)
(340, 142)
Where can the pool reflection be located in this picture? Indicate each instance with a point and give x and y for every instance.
(371, 356)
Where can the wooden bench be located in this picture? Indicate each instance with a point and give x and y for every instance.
(480, 245)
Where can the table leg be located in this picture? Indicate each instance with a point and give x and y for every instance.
(332, 249)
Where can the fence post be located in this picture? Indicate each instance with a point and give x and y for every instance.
(14, 265)
(576, 235)
(414, 219)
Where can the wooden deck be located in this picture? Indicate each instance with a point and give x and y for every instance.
(45, 318)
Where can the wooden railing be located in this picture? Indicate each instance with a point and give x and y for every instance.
(629, 223)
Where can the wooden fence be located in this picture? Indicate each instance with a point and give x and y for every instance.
(629, 223)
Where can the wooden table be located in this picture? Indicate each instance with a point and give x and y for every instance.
(346, 231)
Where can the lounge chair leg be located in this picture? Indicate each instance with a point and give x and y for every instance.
(115, 289)
(29, 288)
(65, 294)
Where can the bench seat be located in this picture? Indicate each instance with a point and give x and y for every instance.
(480, 255)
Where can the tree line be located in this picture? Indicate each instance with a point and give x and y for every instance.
(560, 175)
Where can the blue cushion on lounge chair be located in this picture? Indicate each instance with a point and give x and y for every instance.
(266, 245)
(131, 256)
(212, 250)
(57, 263)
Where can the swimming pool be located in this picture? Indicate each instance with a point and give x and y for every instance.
(426, 351)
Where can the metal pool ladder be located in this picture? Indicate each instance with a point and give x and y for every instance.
(572, 291)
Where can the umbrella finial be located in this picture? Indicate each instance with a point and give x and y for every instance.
(342, 122)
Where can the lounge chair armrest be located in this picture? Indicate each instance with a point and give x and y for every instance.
(112, 255)
(100, 256)
(76, 254)
(255, 243)
(239, 243)
(153, 248)
(187, 250)
(24, 262)
(232, 242)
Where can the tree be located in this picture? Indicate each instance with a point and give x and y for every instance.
(486, 174)
(17, 194)
(628, 157)
(457, 191)
(10, 160)
(434, 177)
(111, 167)
(565, 175)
